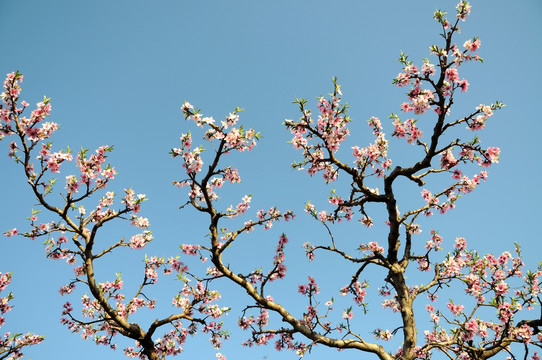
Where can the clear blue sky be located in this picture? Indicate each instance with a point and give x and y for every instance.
(118, 71)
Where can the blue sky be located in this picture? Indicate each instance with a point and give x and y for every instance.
(118, 71)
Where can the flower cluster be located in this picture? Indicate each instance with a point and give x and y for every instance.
(420, 100)
(383, 334)
(53, 160)
(488, 279)
(92, 170)
(30, 127)
(374, 156)
(229, 138)
(406, 129)
(373, 247)
(309, 289)
(279, 269)
(329, 131)
(191, 298)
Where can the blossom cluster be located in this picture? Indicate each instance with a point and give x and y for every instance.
(320, 140)
(230, 138)
(92, 170)
(190, 298)
(374, 155)
(406, 129)
(330, 130)
(279, 269)
(488, 279)
(31, 126)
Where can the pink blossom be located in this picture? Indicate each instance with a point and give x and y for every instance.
(501, 288)
(11, 232)
(493, 154)
(367, 221)
(463, 10)
(448, 160)
(463, 84)
(402, 79)
(374, 247)
(455, 309)
(72, 184)
(472, 325)
(348, 314)
(392, 304)
(190, 249)
(140, 240)
(452, 74)
(383, 334)
(322, 216)
(460, 243)
(472, 45)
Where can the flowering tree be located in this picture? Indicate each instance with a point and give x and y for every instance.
(11, 345)
(73, 235)
(478, 325)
